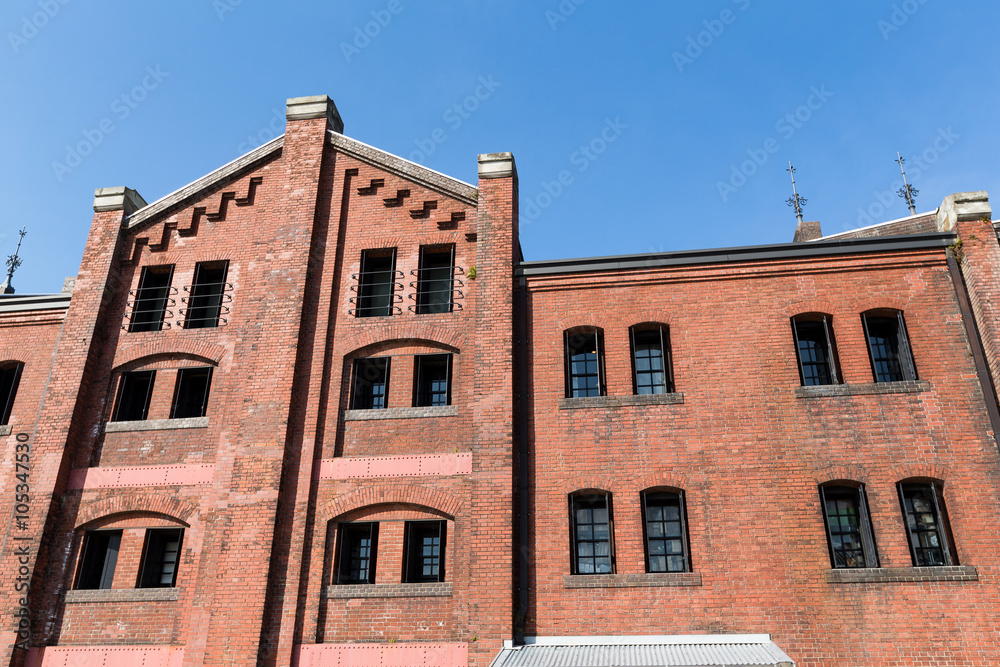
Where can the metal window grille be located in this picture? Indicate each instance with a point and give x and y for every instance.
(134, 391)
(371, 384)
(889, 347)
(926, 524)
(435, 280)
(358, 550)
(584, 373)
(207, 297)
(650, 361)
(665, 528)
(98, 560)
(432, 376)
(10, 378)
(591, 534)
(425, 542)
(376, 285)
(848, 527)
(814, 351)
(160, 558)
(150, 302)
(191, 392)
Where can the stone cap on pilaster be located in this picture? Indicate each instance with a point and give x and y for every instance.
(118, 199)
(963, 207)
(317, 106)
(497, 165)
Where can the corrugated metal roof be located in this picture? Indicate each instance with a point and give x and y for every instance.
(680, 651)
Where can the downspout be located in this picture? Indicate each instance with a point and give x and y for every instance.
(976, 343)
(522, 508)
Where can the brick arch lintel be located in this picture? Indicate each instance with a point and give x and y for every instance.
(173, 508)
(401, 332)
(408, 494)
(202, 349)
(8, 353)
(879, 302)
(811, 306)
(846, 473)
(904, 471)
(674, 480)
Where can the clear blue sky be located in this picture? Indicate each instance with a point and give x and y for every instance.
(668, 99)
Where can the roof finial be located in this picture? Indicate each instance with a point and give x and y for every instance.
(907, 192)
(13, 261)
(795, 200)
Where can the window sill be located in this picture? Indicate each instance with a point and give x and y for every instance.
(123, 595)
(156, 424)
(890, 575)
(620, 401)
(647, 580)
(868, 388)
(5, 430)
(422, 590)
(401, 413)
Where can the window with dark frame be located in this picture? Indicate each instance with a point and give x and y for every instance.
(927, 526)
(370, 390)
(650, 360)
(206, 295)
(151, 299)
(665, 530)
(191, 392)
(814, 349)
(10, 378)
(377, 283)
(134, 391)
(424, 551)
(358, 552)
(591, 534)
(98, 559)
(584, 372)
(432, 380)
(160, 558)
(435, 279)
(888, 346)
(848, 526)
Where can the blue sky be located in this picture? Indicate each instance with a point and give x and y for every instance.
(636, 127)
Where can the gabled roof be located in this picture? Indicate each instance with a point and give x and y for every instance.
(857, 230)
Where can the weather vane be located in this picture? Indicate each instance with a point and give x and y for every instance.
(795, 200)
(907, 192)
(13, 261)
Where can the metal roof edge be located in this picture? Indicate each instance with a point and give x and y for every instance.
(17, 303)
(877, 224)
(630, 640)
(759, 253)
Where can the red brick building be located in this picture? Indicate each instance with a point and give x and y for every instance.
(315, 409)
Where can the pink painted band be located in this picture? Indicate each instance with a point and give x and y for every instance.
(113, 478)
(119, 656)
(381, 655)
(396, 466)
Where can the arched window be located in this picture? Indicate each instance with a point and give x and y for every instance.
(591, 533)
(888, 346)
(584, 349)
(664, 524)
(651, 363)
(815, 349)
(848, 525)
(927, 526)
(10, 378)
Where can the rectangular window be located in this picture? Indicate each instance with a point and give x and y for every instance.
(371, 384)
(814, 350)
(584, 373)
(666, 532)
(376, 283)
(204, 304)
(591, 534)
(848, 527)
(435, 280)
(151, 299)
(191, 393)
(134, 391)
(424, 551)
(100, 555)
(650, 361)
(432, 380)
(160, 558)
(10, 378)
(927, 525)
(889, 347)
(358, 550)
